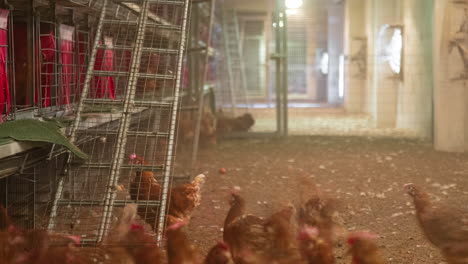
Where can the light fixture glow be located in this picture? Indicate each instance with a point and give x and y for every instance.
(291, 4)
(341, 81)
(291, 11)
(324, 63)
(395, 47)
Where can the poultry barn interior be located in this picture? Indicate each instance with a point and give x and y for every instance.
(234, 131)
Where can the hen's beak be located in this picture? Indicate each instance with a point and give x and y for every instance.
(408, 185)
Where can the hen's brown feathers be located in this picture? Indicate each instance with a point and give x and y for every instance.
(364, 249)
(313, 248)
(219, 254)
(183, 198)
(179, 249)
(445, 227)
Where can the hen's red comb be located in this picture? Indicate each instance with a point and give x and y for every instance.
(362, 235)
(135, 227)
(12, 228)
(223, 245)
(308, 232)
(75, 239)
(177, 225)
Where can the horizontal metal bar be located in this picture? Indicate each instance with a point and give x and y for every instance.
(135, 23)
(105, 132)
(88, 241)
(144, 49)
(156, 76)
(111, 73)
(162, 2)
(153, 104)
(189, 108)
(125, 166)
(70, 3)
(119, 203)
(140, 75)
(120, 102)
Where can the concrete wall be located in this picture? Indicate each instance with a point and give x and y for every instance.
(392, 101)
(385, 82)
(317, 25)
(415, 95)
(336, 13)
(450, 96)
(370, 102)
(427, 100)
(356, 64)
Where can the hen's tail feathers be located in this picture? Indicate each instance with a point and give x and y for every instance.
(124, 223)
(199, 180)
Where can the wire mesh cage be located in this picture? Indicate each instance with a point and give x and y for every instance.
(57, 82)
(126, 120)
(28, 192)
(197, 123)
(233, 94)
(227, 74)
(6, 63)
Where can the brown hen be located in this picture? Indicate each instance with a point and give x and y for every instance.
(281, 229)
(183, 198)
(219, 254)
(187, 126)
(126, 243)
(237, 124)
(364, 249)
(179, 249)
(314, 249)
(253, 239)
(321, 212)
(445, 227)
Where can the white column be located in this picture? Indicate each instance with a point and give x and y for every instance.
(382, 89)
(415, 96)
(335, 49)
(355, 68)
(450, 97)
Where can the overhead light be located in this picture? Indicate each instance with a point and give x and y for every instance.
(291, 4)
(341, 80)
(324, 63)
(291, 11)
(395, 49)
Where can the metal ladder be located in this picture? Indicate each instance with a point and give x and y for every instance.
(234, 59)
(126, 125)
(200, 89)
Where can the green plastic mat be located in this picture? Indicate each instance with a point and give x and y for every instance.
(4, 141)
(99, 109)
(37, 131)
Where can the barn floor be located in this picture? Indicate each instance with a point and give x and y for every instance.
(326, 121)
(365, 174)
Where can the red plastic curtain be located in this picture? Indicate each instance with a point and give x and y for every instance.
(127, 58)
(104, 85)
(4, 87)
(48, 47)
(83, 47)
(66, 52)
